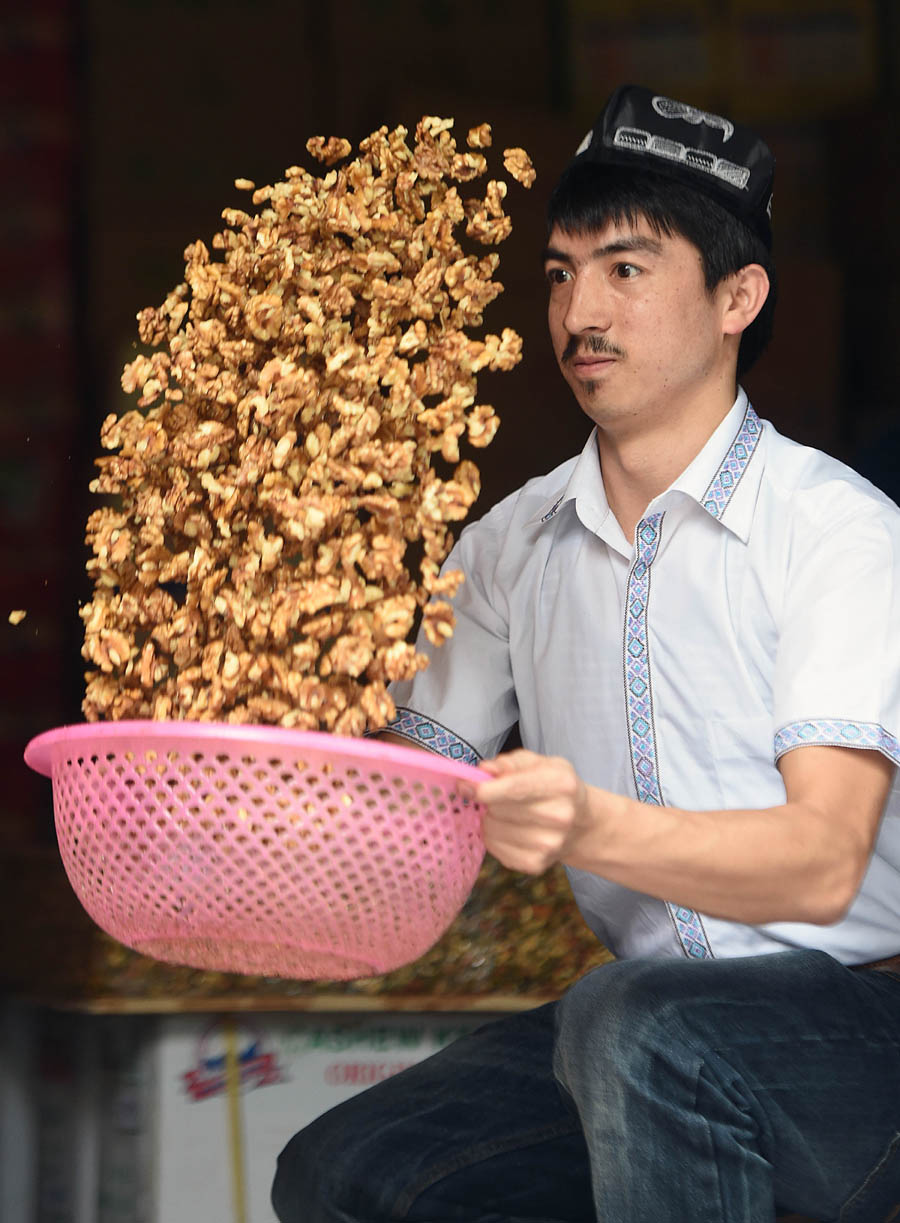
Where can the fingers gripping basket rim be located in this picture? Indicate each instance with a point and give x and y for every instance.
(261, 850)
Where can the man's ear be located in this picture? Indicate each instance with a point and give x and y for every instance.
(745, 293)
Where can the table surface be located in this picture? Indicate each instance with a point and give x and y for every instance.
(113, 1004)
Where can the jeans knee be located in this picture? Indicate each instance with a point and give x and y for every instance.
(614, 997)
(627, 1010)
(315, 1173)
(294, 1186)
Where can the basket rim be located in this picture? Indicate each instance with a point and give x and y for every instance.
(47, 748)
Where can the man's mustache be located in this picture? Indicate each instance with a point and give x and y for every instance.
(593, 344)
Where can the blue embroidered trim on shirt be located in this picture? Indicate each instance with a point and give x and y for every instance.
(836, 732)
(727, 478)
(428, 733)
(690, 930)
(553, 508)
(638, 697)
(639, 704)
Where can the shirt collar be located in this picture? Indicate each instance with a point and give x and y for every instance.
(585, 489)
(721, 478)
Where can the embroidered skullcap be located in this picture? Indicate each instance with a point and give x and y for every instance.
(724, 160)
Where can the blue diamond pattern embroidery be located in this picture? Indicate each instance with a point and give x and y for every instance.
(637, 664)
(639, 702)
(727, 478)
(836, 732)
(430, 734)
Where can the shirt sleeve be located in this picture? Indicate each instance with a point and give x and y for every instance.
(837, 673)
(463, 705)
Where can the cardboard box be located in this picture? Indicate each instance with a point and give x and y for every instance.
(291, 1071)
(138, 1121)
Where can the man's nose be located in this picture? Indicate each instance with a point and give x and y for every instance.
(588, 308)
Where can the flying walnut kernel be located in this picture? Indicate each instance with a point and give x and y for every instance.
(279, 524)
(519, 165)
(329, 151)
(479, 137)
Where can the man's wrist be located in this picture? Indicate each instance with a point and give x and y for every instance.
(606, 829)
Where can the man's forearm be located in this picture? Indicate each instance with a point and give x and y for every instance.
(777, 864)
(800, 861)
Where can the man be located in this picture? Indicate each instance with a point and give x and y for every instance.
(695, 625)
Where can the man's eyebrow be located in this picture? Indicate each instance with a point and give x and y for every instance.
(552, 252)
(640, 242)
(619, 246)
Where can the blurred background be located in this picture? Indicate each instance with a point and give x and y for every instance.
(124, 125)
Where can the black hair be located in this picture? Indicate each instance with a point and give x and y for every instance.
(588, 197)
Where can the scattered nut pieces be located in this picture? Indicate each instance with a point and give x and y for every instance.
(275, 482)
(479, 137)
(330, 151)
(519, 165)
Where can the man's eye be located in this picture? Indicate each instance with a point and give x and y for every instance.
(627, 271)
(557, 276)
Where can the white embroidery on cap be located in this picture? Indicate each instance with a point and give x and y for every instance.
(584, 144)
(673, 150)
(668, 108)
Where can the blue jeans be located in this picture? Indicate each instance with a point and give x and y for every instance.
(655, 1091)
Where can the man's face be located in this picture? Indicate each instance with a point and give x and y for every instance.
(635, 331)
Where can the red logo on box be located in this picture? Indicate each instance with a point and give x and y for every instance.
(256, 1068)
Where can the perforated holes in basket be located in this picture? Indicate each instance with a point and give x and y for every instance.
(271, 863)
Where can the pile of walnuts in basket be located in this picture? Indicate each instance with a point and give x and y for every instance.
(276, 523)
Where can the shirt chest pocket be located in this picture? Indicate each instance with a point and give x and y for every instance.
(743, 761)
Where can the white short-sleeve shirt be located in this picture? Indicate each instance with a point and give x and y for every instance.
(756, 610)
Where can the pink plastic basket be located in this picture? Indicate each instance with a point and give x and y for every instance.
(260, 850)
